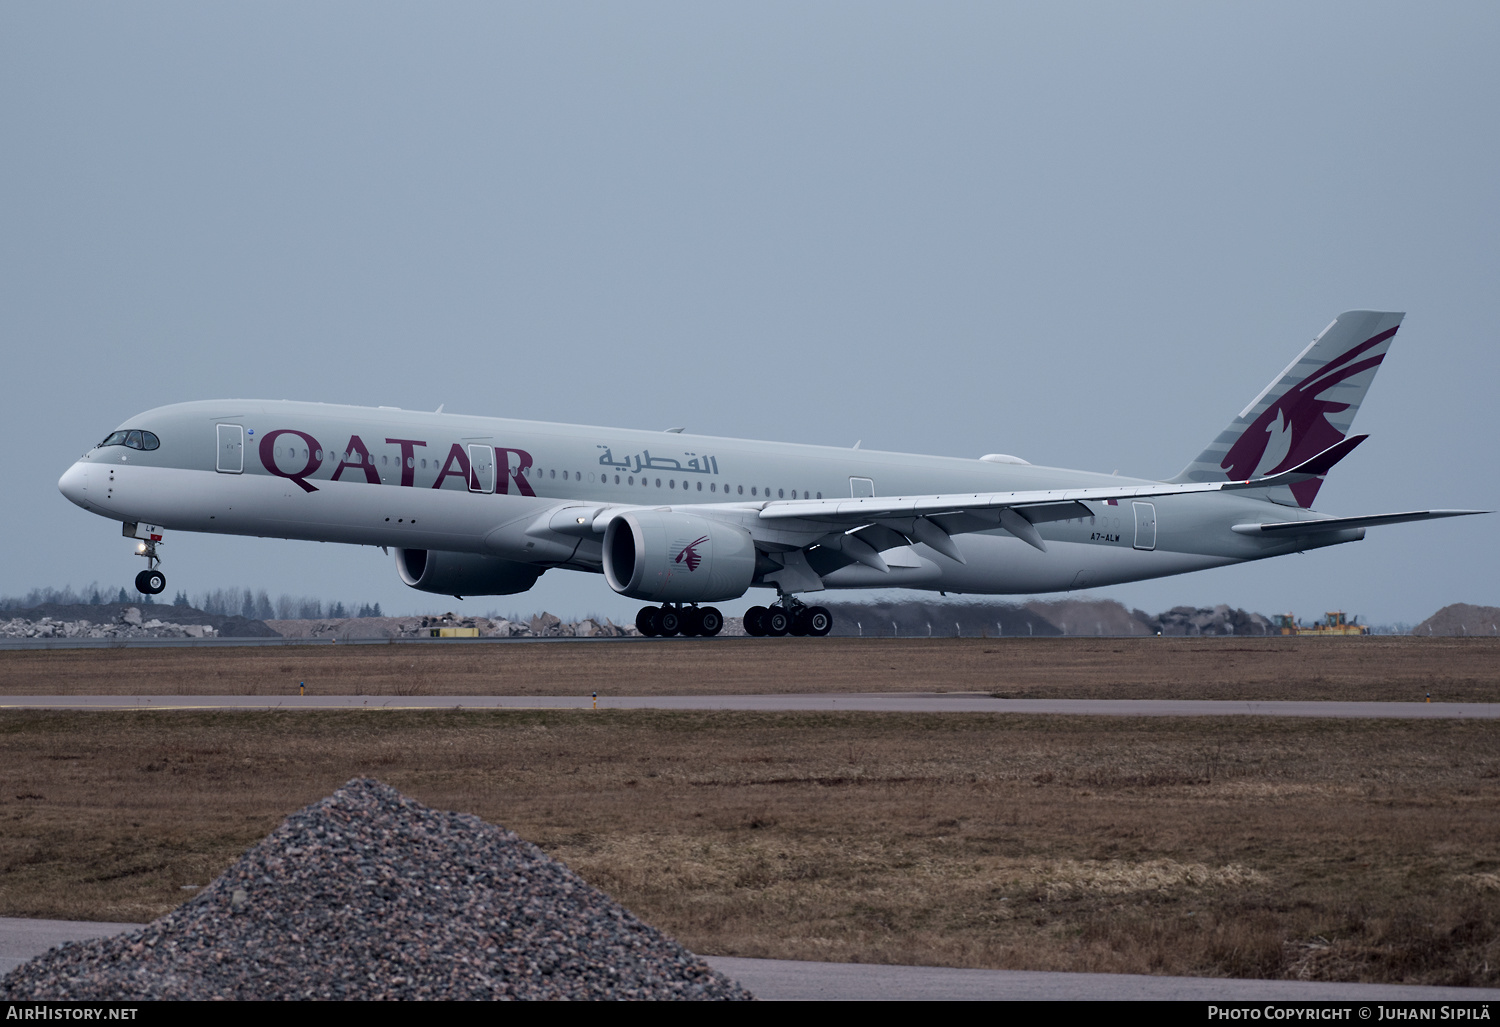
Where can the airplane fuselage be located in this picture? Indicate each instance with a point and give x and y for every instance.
(481, 485)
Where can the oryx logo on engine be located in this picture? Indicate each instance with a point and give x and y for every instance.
(689, 553)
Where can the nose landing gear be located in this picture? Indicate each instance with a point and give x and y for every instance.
(675, 619)
(150, 581)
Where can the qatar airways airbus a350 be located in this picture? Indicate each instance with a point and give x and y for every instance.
(485, 505)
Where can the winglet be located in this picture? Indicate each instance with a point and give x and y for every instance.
(1314, 467)
(1323, 462)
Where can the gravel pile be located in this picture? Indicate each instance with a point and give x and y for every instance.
(369, 895)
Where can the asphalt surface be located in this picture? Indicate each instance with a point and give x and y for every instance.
(876, 702)
(20, 940)
(788, 980)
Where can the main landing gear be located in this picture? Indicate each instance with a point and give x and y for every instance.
(789, 616)
(675, 619)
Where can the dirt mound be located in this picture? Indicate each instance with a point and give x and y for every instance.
(1461, 619)
(936, 619)
(369, 895)
(1093, 617)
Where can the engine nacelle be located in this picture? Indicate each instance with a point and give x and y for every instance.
(464, 574)
(660, 557)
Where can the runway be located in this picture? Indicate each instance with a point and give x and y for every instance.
(848, 702)
(790, 980)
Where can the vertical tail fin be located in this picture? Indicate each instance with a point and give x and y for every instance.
(1305, 409)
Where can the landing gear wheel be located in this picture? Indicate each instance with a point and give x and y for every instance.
(646, 621)
(798, 626)
(710, 622)
(819, 621)
(776, 622)
(692, 621)
(755, 621)
(151, 583)
(668, 622)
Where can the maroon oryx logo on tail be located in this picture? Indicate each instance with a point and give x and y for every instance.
(690, 554)
(1298, 422)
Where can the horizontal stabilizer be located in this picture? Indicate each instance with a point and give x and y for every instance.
(1322, 524)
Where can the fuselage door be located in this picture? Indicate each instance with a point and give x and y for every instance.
(231, 449)
(481, 469)
(1145, 525)
(861, 488)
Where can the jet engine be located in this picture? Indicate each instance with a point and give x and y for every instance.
(661, 556)
(464, 574)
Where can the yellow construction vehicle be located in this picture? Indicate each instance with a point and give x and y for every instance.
(1334, 624)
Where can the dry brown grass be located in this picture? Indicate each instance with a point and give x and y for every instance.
(1361, 850)
(1379, 668)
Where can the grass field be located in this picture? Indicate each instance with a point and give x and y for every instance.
(1378, 668)
(1348, 850)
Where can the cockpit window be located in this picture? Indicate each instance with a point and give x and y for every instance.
(134, 439)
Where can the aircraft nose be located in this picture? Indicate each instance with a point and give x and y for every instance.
(74, 483)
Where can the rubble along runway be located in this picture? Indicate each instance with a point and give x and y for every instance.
(250, 642)
(825, 702)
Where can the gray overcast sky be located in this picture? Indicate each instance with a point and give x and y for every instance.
(1086, 234)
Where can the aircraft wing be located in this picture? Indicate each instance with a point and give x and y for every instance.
(863, 510)
(860, 529)
(1322, 524)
